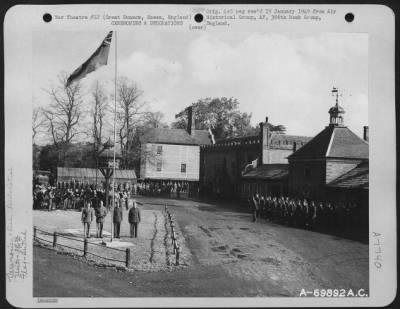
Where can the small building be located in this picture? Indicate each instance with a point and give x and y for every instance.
(332, 153)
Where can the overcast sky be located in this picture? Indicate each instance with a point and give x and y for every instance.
(283, 76)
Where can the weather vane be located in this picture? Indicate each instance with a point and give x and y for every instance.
(335, 92)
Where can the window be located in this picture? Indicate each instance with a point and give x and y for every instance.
(159, 166)
(183, 168)
(159, 149)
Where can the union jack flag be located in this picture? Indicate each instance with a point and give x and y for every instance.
(95, 61)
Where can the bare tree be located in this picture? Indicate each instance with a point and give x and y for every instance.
(64, 112)
(37, 122)
(154, 120)
(129, 115)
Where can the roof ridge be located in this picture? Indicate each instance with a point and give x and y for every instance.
(330, 144)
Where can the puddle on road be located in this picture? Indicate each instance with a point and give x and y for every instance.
(220, 248)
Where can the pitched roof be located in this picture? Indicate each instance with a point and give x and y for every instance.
(168, 136)
(357, 178)
(201, 136)
(334, 142)
(268, 171)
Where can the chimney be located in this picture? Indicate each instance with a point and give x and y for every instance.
(366, 134)
(264, 145)
(191, 125)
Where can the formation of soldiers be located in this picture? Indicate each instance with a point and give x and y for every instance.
(52, 198)
(308, 214)
(167, 188)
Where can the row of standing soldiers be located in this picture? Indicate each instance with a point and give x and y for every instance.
(167, 188)
(309, 214)
(55, 198)
(100, 212)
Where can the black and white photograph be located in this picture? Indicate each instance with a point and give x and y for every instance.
(198, 164)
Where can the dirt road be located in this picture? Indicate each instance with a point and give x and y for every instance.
(226, 255)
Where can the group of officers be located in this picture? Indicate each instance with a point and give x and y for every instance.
(308, 214)
(100, 212)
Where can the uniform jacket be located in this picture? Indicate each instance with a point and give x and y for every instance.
(87, 215)
(117, 218)
(134, 215)
(254, 204)
(101, 213)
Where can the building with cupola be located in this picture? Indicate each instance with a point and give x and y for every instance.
(333, 165)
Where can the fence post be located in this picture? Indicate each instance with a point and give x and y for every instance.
(34, 232)
(54, 239)
(128, 257)
(177, 255)
(176, 246)
(85, 246)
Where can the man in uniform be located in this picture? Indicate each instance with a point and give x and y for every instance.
(51, 198)
(117, 219)
(254, 207)
(305, 215)
(87, 218)
(101, 213)
(134, 219)
(313, 215)
(258, 201)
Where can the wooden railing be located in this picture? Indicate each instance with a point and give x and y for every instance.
(83, 245)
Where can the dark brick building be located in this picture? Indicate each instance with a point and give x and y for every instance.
(334, 152)
(223, 164)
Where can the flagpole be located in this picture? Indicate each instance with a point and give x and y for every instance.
(115, 134)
